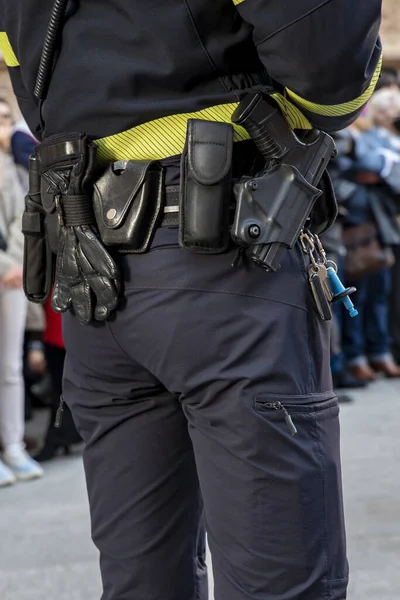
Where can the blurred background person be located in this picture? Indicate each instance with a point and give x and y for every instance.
(16, 462)
(371, 230)
(61, 437)
(22, 144)
(34, 365)
(389, 119)
(333, 243)
(389, 78)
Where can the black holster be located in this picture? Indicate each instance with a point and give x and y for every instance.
(38, 275)
(206, 187)
(325, 210)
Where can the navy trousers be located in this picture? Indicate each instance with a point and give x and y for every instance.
(181, 402)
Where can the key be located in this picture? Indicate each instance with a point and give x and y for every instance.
(322, 296)
(324, 277)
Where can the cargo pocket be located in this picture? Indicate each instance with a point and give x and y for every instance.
(285, 406)
(302, 438)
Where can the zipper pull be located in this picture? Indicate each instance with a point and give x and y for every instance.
(60, 413)
(289, 421)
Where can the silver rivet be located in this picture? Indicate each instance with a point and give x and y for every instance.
(111, 214)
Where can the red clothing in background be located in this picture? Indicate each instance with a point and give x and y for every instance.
(53, 332)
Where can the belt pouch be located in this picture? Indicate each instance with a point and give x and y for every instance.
(206, 186)
(38, 270)
(128, 204)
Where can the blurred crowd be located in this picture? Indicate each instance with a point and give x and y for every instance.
(365, 241)
(364, 244)
(31, 353)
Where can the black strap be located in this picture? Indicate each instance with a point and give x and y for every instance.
(171, 207)
(77, 211)
(171, 217)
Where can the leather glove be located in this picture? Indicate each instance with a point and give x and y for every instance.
(86, 279)
(86, 276)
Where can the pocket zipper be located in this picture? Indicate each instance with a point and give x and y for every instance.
(280, 408)
(60, 413)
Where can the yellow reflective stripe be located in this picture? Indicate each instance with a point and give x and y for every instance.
(339, 110)
(162, 137)
(292, 114)
(5, 47)
(237, 1)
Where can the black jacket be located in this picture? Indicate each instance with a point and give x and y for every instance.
(131, 72)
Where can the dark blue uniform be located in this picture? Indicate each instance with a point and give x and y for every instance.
(186, 399)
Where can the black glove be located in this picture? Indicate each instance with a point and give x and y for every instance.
(87, 278)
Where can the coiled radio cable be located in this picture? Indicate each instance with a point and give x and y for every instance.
(49, 49)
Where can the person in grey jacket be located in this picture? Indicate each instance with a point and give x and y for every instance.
(16, 463)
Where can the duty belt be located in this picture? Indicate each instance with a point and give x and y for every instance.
(171, 207)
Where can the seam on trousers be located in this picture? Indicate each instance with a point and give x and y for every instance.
(327, 593)
(312, 384)
(194, 562)
(209, 291)
(196, 586)
(124, 352)
(116, 342)
(344, 580)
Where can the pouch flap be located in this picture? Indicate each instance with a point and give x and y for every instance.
(116, 189)
(32, 223)
(209, 150)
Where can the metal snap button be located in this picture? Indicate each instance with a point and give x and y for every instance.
(111, 214)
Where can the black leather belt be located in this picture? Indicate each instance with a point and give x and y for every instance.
(171, 207)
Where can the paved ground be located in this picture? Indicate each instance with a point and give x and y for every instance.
(46, 553)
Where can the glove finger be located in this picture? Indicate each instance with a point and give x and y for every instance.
(69, 262)
(96, 254)
(118, 285)
(82, 302)
(102, 287)
(67, 268)
(101, 313)
(61, 299)
(104, 291)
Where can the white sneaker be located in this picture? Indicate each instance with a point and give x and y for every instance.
(18, 460)
(7, 477)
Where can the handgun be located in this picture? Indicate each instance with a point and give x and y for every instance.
(273, 207)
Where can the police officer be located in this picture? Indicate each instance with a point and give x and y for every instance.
(188, 377)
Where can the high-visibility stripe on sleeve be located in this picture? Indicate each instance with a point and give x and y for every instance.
(8, 53)
(339, 110)
(162, 137)
(292, 114)
(237, 1)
